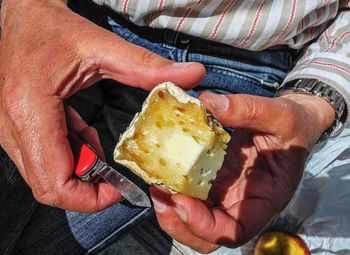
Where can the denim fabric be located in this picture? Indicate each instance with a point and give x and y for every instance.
(224, 75)
(29, 228)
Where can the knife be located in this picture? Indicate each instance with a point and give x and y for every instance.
(89, 167)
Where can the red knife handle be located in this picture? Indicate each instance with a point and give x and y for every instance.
(85, 158)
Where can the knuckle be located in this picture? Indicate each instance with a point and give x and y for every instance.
(46, 196)
(148, 57)
(43, 190)
(88, 132)
(251, 109)
(89, 64)
(147, 72)
(93, 131)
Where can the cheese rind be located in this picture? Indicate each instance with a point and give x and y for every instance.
(174, 142)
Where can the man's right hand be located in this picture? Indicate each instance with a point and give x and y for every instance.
(47, 54)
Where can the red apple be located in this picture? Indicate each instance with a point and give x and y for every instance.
(280, 243)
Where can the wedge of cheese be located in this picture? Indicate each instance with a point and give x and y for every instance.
(174, 142)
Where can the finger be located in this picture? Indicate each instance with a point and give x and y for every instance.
(47, 157)
(173, 225)
(133, 65)
(83, 130)
(267, 115)
(88, 197)
(252, 214)
(213, 226)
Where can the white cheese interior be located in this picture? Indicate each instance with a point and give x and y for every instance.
(181, 149)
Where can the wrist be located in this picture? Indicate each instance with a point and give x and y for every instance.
(318, 88)
(321, 111)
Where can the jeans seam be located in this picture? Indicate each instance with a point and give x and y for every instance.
(244, 75)
(182, 55)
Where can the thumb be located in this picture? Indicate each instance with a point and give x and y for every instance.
(135, 66)
(255, 113)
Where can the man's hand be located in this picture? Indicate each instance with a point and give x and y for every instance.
(47, 54)
(262, 168)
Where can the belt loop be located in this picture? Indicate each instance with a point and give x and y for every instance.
(171, 37)
(176, 39)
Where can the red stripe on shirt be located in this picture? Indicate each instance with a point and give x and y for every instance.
(218, 24)
(252, 29)
(329, 65)
(153, 14)
(341, 37)
(125, 6)
(326, 36)
(188, 11)
(302, 24)
(291, 19)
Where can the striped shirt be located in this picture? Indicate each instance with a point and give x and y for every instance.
(322, 27)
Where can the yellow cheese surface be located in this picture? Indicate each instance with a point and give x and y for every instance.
(174, 144)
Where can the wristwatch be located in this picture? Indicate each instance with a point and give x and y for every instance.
(323, 90)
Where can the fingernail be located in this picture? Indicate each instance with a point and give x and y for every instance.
(181, 213)
(159, 205)
(182, 64)
(217, 102)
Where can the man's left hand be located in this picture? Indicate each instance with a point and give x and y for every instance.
(263, 166)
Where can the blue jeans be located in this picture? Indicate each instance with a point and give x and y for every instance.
(224, 75)
(31, 228)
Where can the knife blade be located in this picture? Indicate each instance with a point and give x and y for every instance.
(89, 167)
(127, 189)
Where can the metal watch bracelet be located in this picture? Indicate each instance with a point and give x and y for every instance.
(320, 89)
